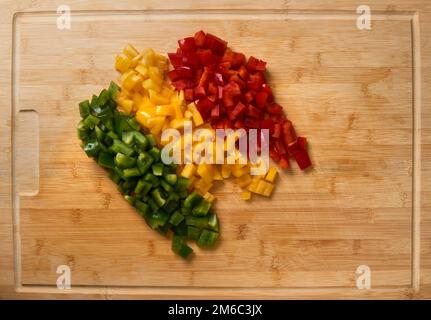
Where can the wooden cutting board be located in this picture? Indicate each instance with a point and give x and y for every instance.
(360, 96)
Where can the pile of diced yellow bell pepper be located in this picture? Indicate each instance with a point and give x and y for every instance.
(146, 92)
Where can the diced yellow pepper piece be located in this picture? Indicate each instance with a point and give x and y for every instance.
(178, 111)
(155, 74)
(188, 170)
(202, 186)
(177, 123)
(272, 174)
(253, 186)
(122, 64)
(151, 84)
(238, 170)
(136, 60)
(244, 180)
(268, 189)
(217, 175)
(261, 186)
(157, 98)
(165, 110)
(156, 121)
(132, 80)
(125, 104)
(209, 197)
(226, 170)
(142, 70)
(149, 57)
(130, 51)
(206, 172)
(246, 195)
(188, 114)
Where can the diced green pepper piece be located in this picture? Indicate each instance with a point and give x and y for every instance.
(106, 159)
(185, 211)
(133, 123)
(170, 178)
(181, 229)
(113, 90)
(153, 204)
(183, 194)
(155, 182)
(213, 222)
(157, 196)
(166, 186)
(157, 169)
(176, 218)
(91, 121)
(151, 140)
(180, 247)
(202, 208)
(198, 222)
(158, 219)
(84, 109)
(155, 153)
(103, 98)
(127, 137)
(130, 184)
(144, 162)
(119, 172)
(207, 238)
(92, 147)
(141, 141)
(192, 200)
(99, 133)
(142, 207)
(122, 161)
(120, 146)
(142, 187)
(131, 172)
(182, 183)
(82, 130)
(193, 233)
(114, 177)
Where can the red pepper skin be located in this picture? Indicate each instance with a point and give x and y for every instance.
(239, 110)
(273, 108)
(254, 64)
(176, 59)
(253, 112)
(284, 162)
(261, 98)
(187, 44)
(206, 57)
(188, 94)
(293, 148)
(289, 134)
(277, 130)
(199, 39)
(215, 44)
(302, 143)
(180, 73)
(302, 159)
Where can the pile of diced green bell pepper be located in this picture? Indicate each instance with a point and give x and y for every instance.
(133, 161)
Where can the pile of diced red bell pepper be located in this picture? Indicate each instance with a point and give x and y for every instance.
(231, 91)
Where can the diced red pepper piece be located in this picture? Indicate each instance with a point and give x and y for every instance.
(302, 159)
(187, 44)
(215, 44)
(204, 106)
(218, 78)
(239, 124)
(302, 143)
(199, 39)
(203, 82)
(255, 81)
(274, 108)
(243, 73)
(212, 88)
(284, 162)
(238, 80)
(188, 94)
(267, 124)
(200, 92)
(176, 59)
(267, 89)
(260, 99)
(254, 64)
(293, 148)
(289, 134)
(215, 112)
(206, 57)
(190, 59)
(279, 146)
(249, 96)
(253, 112)
(277, 130)
(230, 91)
(236, 59)
(180, 73)
(274, 154)
(251, 123)
(237, 111)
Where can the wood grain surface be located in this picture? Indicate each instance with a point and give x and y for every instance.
(361, 97)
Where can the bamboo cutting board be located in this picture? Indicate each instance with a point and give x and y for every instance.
(360, 96)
